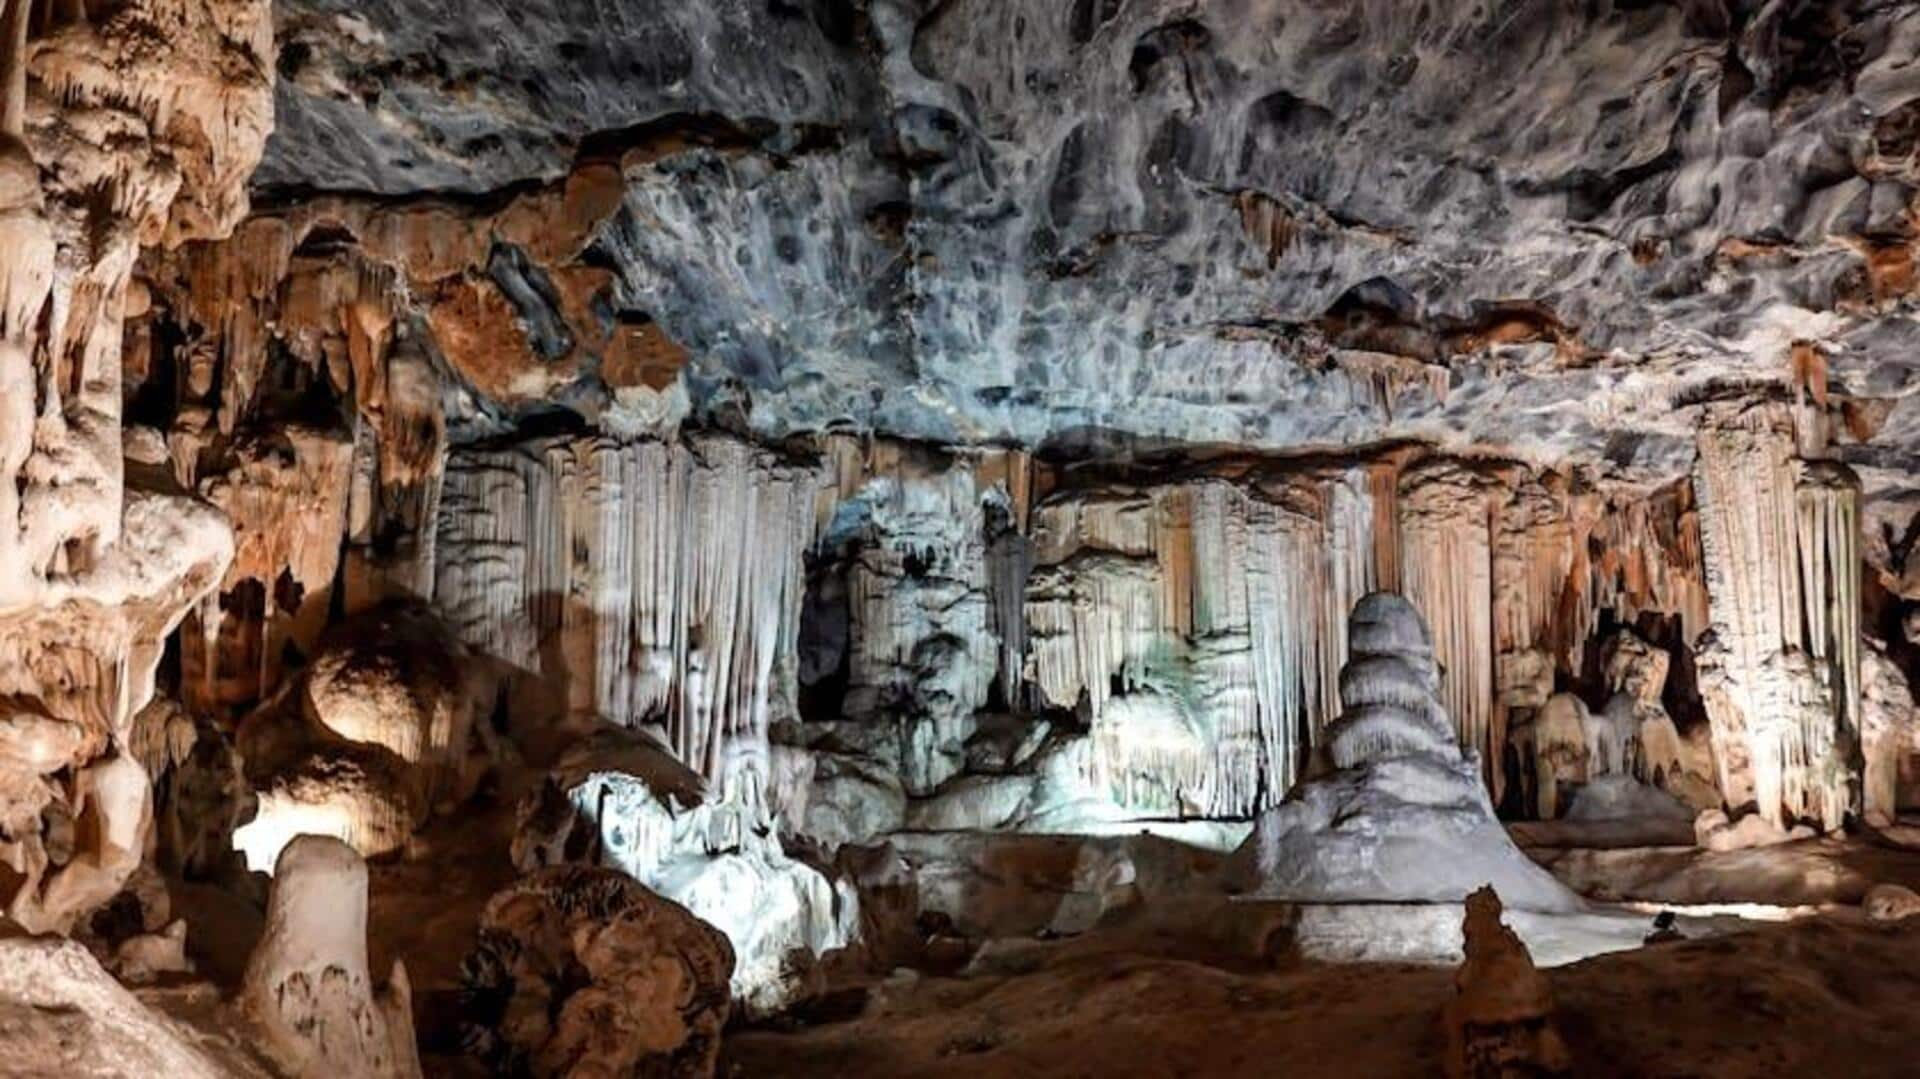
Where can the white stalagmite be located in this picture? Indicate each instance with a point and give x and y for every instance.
(1780, 672)
(1405, 819)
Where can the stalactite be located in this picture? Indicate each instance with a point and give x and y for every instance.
(287, 498)
(135, 131)
(653, 581)
(1447, 572)
(923, 652)
(1781, 671)
(1533, 582)
(1381, 381)
(1353, 571)
(1085, 618)
(1206, 598)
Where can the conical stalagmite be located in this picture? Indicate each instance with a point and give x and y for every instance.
(1406, 818)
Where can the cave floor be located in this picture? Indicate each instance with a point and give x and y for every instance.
(1825, 995)
(1176, 993)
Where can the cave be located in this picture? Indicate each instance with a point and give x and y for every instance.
(932, 537)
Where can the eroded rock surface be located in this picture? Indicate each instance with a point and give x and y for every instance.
(1501, 1021)
(581, 971)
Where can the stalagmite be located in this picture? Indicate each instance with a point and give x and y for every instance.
(1562, 752)
(1406, 819)
(1500, 1021)
(394, 678)
(307, 982)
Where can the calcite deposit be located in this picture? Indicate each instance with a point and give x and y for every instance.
(777, 513)
(1405, 818)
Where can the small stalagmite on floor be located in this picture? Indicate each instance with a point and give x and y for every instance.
(1500, 1021)
(307, 984)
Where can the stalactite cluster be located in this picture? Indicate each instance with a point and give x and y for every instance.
(1209, 597)
(645, 581)
(139, 127)
(1782, 673)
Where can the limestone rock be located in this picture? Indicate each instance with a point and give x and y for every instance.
(621, 800)
(1714, 830)
(395, 678)
(1890, 903)
(307, 984)
(1406, 818)
(67, 1016)
(1500, 1021)
(1889, 733)
(362, 795)
(581, 971)
(115, 132)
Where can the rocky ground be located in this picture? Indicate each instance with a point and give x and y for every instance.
(1168, 985)
(1821, 996)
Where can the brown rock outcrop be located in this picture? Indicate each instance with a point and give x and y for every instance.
(580, 972)
(1500, 1021)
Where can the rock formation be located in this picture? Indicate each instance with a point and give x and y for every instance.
(1405, 817)
(307, 984)
(378, 733)
(580, 971)
(139, 127)
(67, 1016)
(623, 801)
(1500, 1021)
(694, 454)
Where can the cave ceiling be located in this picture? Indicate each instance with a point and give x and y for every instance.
(1557, 230)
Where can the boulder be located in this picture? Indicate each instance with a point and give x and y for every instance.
(581, 971)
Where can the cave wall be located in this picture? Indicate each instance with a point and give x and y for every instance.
(139, 126)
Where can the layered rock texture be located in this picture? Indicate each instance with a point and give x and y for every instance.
(581, 971)
(137, 128)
